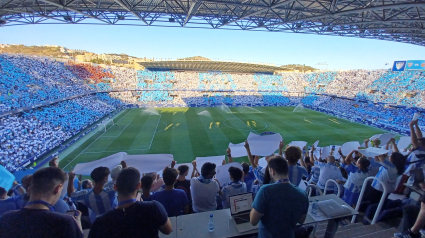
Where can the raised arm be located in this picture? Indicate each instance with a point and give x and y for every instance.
(413, 135)
(302, 161)
(229, 155)
(281, 145)
(418, 130)
(250, 158)
(395, 148)
(366, 143)
(194, 169)
(340, 154)
(71, 189)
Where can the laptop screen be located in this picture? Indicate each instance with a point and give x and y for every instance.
(240, 203)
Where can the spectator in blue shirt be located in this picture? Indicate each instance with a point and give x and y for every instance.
(131, 218)
(174, 200)
(98, 199)
(296, 172)
(234, 187)
(248, 174)
(147, 181)
(279, 206)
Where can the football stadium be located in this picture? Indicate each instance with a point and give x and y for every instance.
(111, 145)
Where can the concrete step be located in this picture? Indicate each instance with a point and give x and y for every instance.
(383, 233)
(341, 228)
(354, 230)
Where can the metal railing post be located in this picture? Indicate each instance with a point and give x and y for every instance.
(381, 202)
(326, 186)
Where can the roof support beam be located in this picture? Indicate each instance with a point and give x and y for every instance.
(259, 11)
(342, 13)
(193, 8)
(73, 10)
(131, 11)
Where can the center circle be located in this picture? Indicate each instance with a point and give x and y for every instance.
(238, 124)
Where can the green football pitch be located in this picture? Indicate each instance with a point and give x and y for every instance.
(188, 133)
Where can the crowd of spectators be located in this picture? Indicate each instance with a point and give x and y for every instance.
(31, 80)
(115, 209)
(27, 135)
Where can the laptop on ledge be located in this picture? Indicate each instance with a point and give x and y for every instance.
(240, 208)
(330, 208)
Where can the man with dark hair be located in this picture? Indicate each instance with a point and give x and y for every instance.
(18, 202)
(174, 200)
(87, 184)
(131, 218)
(54, 162)
(234, 187)
(37, 219)
(147, 182)
(183, 183)
(98, 199)
(279, 206)
(204, 189)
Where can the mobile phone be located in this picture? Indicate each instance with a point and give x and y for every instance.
(139, 196)
(72, 213)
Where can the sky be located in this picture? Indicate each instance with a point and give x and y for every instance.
(262, 47)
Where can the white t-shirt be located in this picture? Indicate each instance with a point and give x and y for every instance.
(203, 195)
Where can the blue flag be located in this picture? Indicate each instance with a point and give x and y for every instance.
(6, 178)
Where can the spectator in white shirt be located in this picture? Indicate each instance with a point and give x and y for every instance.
(204, 189)
(328, 171)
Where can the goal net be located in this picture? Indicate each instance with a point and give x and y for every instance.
(106, 124)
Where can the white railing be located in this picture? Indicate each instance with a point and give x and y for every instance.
(381, 202)
(337, 185)
(310, 187)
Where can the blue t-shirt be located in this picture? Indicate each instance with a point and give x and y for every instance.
(172, 200)
(282, 204)
(249, 179)
(142, 219)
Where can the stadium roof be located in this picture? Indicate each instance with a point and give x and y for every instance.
(401, 20)
(208, 65)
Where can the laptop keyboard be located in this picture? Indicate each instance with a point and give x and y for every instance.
(239, 219)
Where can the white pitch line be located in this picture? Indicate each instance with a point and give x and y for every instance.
(93, 142)
(121, 131)
(155, 131)
(112, 151)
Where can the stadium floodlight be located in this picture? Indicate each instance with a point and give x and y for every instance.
(3, 21)
(171, 19)
(121, 17)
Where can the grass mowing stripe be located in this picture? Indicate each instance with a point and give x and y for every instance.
(201, 144)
